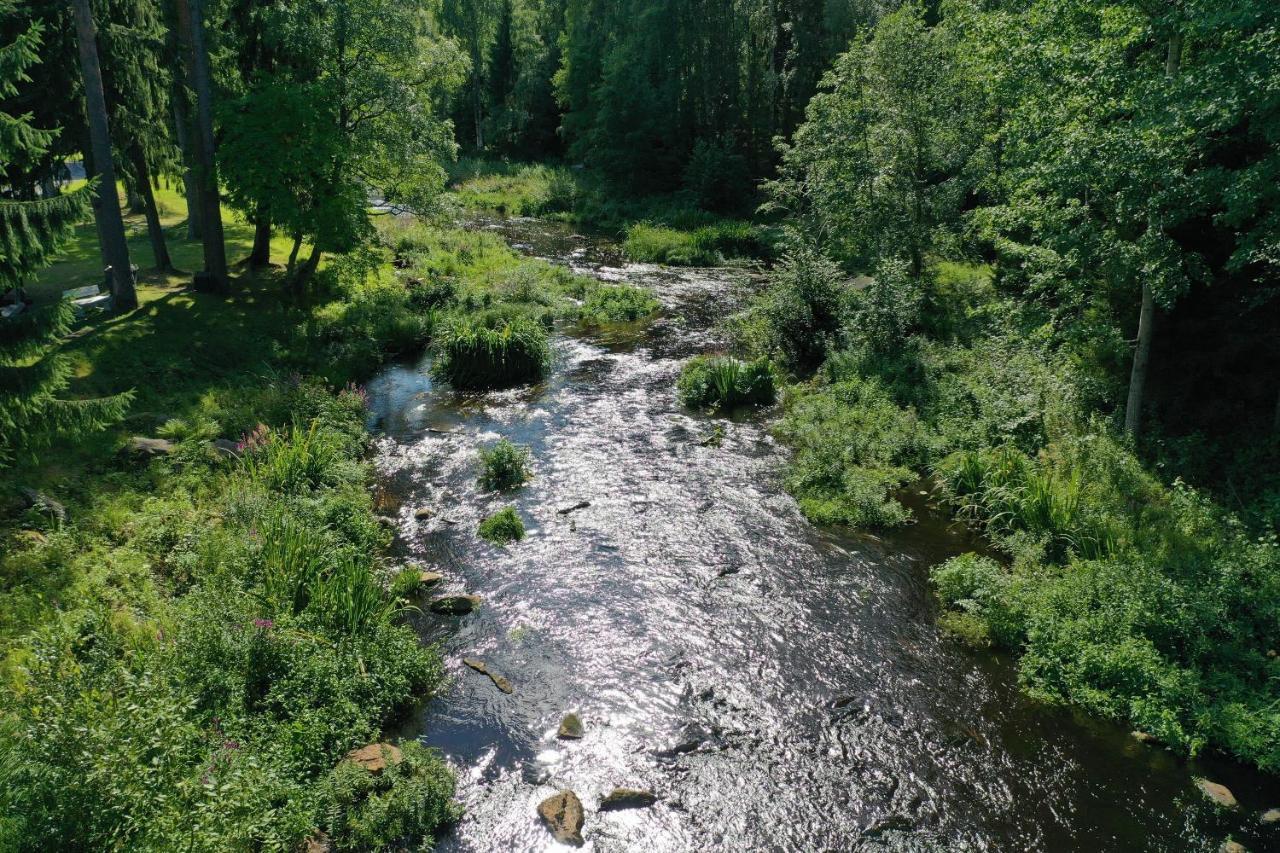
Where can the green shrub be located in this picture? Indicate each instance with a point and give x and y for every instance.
(492, 352)
(803, 308)
(504, 466)
(717, 175)
(723, 382)
(404, 805)
(704, 246)
(617, 304)
(502, 527)
(295, 460)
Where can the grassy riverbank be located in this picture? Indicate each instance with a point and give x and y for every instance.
(1123, 588)
(668, 229)
(193, 638)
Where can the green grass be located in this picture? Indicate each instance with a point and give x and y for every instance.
(503, 527)
(617, 304)
(504, 466)
(491, 351)
(725, 383)
(703, 246)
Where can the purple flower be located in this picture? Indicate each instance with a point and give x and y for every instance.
(264, 624)
(231, 744)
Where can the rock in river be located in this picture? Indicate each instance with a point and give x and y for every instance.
(1220, 794)
(562, 814)
(481, 667)
(1270, 817)
(429, 578)
(455, 605)
(422, 513)
(375, 757)
(571, 727)
(627, 798)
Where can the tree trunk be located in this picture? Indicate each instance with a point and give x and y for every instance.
(479, 111)
(159, 249)
(190, 188)
(293, 258)
(307, 270)
(1141, 356)
(1275, 425)
(260, 255)
(106, 205)
(191, 20)
(133, 198)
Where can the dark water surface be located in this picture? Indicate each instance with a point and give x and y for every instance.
(779, 687)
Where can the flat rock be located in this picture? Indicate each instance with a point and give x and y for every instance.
(627, 798)
(1270, 816)
(387, 521)
(318, 843)
(226, 448)
(142, 446)
(562, 813)
(455, 605)
(375, 757)
(1232, 847)
(565, 510)
(422, 513)
(571, 727)
(429, 578)
(1220, 794)
(498, 681)
(1144, 737)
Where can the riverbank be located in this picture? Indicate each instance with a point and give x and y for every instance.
(201, 615)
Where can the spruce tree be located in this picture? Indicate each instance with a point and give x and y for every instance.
(31, 412)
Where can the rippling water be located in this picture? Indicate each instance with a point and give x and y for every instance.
(779, 687)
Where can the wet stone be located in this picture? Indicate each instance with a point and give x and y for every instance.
(627, 798)
(562, 813)
(422, 513)
(565, 510)
(571, 727)
(1232, 847)
(455, 605)
(1220, 794)
(149, 447)
(498, 681)
(429, 578)
(1270, 817)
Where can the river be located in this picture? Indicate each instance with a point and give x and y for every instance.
(778, 686)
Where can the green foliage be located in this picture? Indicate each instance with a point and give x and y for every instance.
(609, 303)
(504, 466)
(803, 308)
(703, 246)
(724, 383)
(406, 802)
(503, 527)
(492, 350)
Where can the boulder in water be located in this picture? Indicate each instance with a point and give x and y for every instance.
(498, 681)
(1270, 817)
(571, 727)
(422, 513)
(562, 813)
(627, 798)
(455, 605)
(1220, 794)
(1230, 846)
(375, 757)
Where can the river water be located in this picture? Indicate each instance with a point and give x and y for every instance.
(779, 687)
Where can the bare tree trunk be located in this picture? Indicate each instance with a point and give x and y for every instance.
(1147, 315)
(106, 205)
(479, 111)
(152, 211)
(191, 19)
(1275, 425)
(260, 255)
(306, 271)
(190, 189)
(293, 258)
(1141, 357)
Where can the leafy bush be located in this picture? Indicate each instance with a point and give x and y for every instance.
(504, 466)
(617, 304)
(502, 527)
(704, 246)
(407, 802)
(723, 382)
(492, 352)
(717, 175)
(803, 309)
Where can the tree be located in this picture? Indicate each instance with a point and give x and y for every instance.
(346, 110)
(107, 206)
(31, 412)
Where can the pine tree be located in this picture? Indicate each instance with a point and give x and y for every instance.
(31, 413)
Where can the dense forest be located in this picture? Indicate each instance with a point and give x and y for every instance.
(1023, 255)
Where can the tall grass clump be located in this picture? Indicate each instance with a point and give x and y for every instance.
(504, 466)
(503, 527)
(724, 382)
(492, 351)
(617, 304)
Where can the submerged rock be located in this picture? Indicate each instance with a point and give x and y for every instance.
(565, 510)
(375, 757)
(481, 667)
(1220, 794)
(429, 578)
(562, 813)
(627, 798)
(571, 727)
(422, 513)
(455, 605)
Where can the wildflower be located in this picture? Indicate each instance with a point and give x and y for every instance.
(264, 624)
